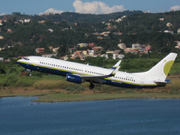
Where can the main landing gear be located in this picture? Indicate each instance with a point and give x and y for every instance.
(91, 86)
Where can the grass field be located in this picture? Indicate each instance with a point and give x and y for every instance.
(60, 91)
(52, 88)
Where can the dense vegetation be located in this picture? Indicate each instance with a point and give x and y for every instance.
(70, 17)
(144, 28)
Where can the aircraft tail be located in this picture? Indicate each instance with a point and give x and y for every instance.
(160, 71)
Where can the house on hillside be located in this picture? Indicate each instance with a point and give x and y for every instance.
(1, 23)
(169, 24)
(92, 45)
(105, 33)
(78, 54)
(119, 20)
(1, 37)
(177, 44)
(9, 31)
(42, 21)
(64, 57)
(50, 30)
(2, 49)
(168, 31)
(1, 59)
(178, 31)
(122, 46)
(118, 56)
(55, 50)
(72, 50)
(91, 52)
(49, 55)
(148, 48)
(161, 19)
(97, 49)
(137, 48)
(50, 47)
(109, 52)
(131, 50)
(105, 56)
(40, 50)
(81, 45)
(25, 21)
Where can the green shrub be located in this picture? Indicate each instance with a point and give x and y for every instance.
(49, 84)
(74, 88)
(175, 89)
(8, 80)
(2, 80)
(25, 81)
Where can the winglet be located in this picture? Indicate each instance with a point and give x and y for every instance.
(113, 73)
(117, 64)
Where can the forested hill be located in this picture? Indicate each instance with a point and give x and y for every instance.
(71, 17)
(160, 30)
(148, 22)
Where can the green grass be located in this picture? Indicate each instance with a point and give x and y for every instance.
(52, 88)
(65, 97)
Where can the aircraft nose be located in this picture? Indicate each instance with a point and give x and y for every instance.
(19, 61)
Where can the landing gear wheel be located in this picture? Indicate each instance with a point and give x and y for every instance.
(91, 86)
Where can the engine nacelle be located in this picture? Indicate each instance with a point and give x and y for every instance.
(74, 78)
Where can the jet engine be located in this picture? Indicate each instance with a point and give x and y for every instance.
(74, 78)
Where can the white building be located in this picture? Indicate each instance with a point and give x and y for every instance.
(122, 46)
(178, 31)
(169, 24)
(118, 56)
(161, 19)
(49, 55)
(136, 46)
(82, 45)
(167, 31)
(1, 58)
(91, 52)
(1, 37)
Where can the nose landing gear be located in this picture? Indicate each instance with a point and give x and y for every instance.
(30, 72)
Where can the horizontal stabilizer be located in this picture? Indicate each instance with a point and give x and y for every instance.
(161, 82)
(168, 80)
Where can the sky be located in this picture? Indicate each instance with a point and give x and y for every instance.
(38, 7)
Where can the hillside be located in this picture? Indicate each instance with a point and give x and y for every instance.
(66, 30)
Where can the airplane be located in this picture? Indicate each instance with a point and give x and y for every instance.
(79, 73)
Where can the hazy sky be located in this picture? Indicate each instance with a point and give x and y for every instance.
(86, 6)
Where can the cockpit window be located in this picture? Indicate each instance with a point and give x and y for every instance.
(26, 58)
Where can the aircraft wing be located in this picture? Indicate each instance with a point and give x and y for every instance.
(99, 79)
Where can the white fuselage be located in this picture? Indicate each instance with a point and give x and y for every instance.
(61, 67)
